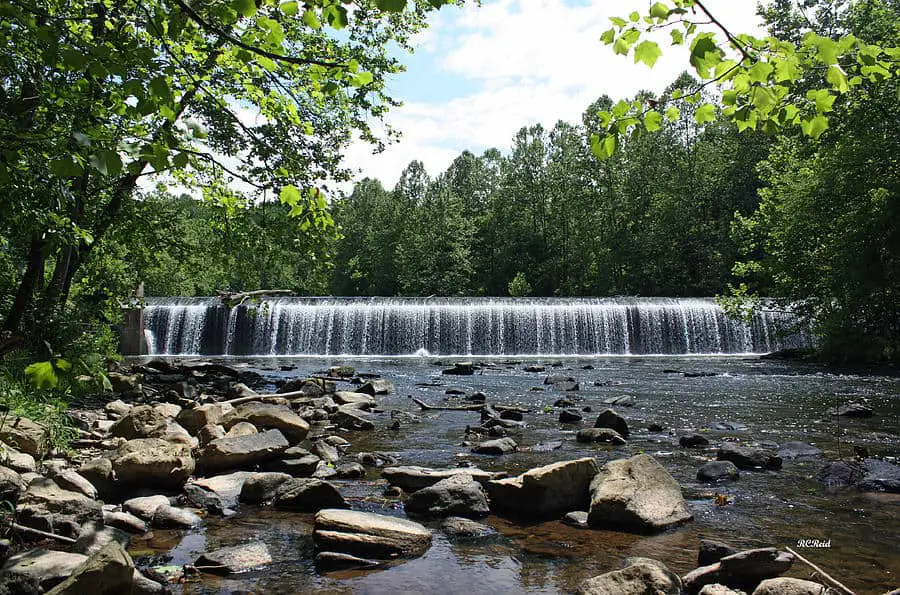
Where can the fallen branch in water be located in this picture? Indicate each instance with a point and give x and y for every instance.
(236, 299)
(821, 572)
(474, 407)
(39, 533)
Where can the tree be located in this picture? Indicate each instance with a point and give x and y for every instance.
(95, 96)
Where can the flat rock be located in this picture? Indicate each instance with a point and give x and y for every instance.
(717, 589)
(463, 528)
(716, 471)
(46, 567)
(308, 495)
(789, 586)
(304, 466)
(350, 470)
(851, 410)
(693, 440)
(798, 450)
(152, 462)
(141, 421)
(376, 386)
(235, 559)
(144, 506)
(880, 476)
(546, 491)
(637, 579)
(500, 446)
(620, 401)
(604, 435)
(171, 517)
(750, 458)
(411, 478)
(740, 570)
(636, 494)
(350, 419)
(24, 435)
(218, 493)
(72, 481)
(612, 420)
(369, 535)
(458, 495)
(20, 462)
(275, 417)
(109, 571)
(94, 536)
(839, 474)
(361, 400)
(47, 507)
(570, 416)
(124, 521)
(337, 561)
(712, 551)
(460, 369)
(241, 451)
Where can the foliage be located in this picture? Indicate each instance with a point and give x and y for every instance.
(776, 83)
(519, 286)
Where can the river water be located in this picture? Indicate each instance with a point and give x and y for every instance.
(775, 402)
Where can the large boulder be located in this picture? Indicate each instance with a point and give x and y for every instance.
(459, 495)
(141, 421)
(612, 420)
(11, 485)
(20, 462)
(500, 446)
(241, 451)
(308, 495)
(370, 535)
(350, 418)
(743, 570)
(108, 572)
(359, 400)
(152, 462)
(789, 586)
(636, 494)
(881, 476)
(750, 458)
(411, 478)
(48, 507)
(716, 471)
(606, 435)
(144, 507)
(376, 386)
(25, 435)
(219, 493)
(548, 490)
(95, 536)
(235, 559)
(202, 415)
(261, 488)
(644, 577)
(47, 568)
(275, 417)
(167, 516)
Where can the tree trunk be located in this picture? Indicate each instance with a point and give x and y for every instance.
(33, 271)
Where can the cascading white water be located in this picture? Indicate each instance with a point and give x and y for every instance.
(459, 326)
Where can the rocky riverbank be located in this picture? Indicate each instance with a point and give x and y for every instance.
(186, 443)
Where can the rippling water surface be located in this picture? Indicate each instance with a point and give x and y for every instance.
(777, 402)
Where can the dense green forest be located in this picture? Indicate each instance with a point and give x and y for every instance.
(695, 203)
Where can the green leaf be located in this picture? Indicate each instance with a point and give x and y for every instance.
(181, 160)
(362, 79)
(653, 121)
(107, 162)
(604, 147)
(672, 113)
(245, 8)
(814, 127)
(608, 36)
(677, 37)
(74, 59)
(759, 72)
(705, 54)
(289, 195)
(66, 167)
(42, 375)
(838, 80)
(390, 5)
(659, 11)
(705, 113)
(647, 52)
(823, 99)
(310, 19)
(618, 22)
(634, 16)
(289, 8)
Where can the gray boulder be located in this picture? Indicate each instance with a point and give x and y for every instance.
(376, 386)
(18, 461)
(152, 462)
(463, 528)
(746, 457)
(459, 495)
(141, 421)
(612, 420)
(369, 535)
(218, 493)
(880, 476)
(359, 400)
(124, 521)
(308, 495)
(839, 474)
(640, 578)
(798, 450)
(500, 446)
(144, 507)
(276, 417)
(716, 471)
(110, 571)
(789, 586)
(636, 494)
(546, 491)
(261, 488)
(45, 567)
(303, 466)
(48, 507)
(693, 440)
(24, 435)
(202, 415)
(605, 435)
(11, 485)
(411, 478)
(350, 418)
(235, 559)
(741, 570)
(171, 517)
(96, 535)
(241, 451)
(712, 551)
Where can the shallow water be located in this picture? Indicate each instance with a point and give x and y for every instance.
(777, 402)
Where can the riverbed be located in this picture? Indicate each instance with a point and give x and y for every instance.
(762, 401)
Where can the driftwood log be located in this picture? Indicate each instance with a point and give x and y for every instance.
(474, 407)
(235, 299)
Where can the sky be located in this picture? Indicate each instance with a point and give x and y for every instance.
(479, 74)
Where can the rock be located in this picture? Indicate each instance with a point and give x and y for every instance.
(463, 528)
(72, 481)
(239, 390)
(599, 435)
(117, 408)
(202, 415)
(636, 494)
(501, 446)
(324, 471)
(459, 495)
(99, 472)
(124, 383)
(460, 369)
(749, 458)
(546, 491)
(789, 586)
(171, 517)
(142, 421)
(851, 410)
(108, 572)
(325, 451)
(350, 470)
(612, 420)
(712, 551)
(301, 467)
(576, 518)
(376, 386)
(235, 559)
(351, 420)
(125, 521)
(376, 459)
(47, 507)
(241, 451)
(740, 570)
(621, 401)
(19, 462)
(46, 567)
(716, 471)
(169, 410)
(24, 435)
(219, 493)
(655, 428)
(11, 485)
(880, 476)
(411, 478)
(275, 417)
(839, 474)
(534, 368)
(145, 506)
(569, 416)
(370, 535)
(564, 402)
(174, 432)
(309, 387)
(558, 379)
(152, 462)
(360, 400)
(693, 440)
(728, 426)
(336, 561)
(637, 579)
(94, 536)
(477, 397)
(145, 586)
(261, 488)
(798, 450)
(308, 495)
(717, 589)
(211, 432)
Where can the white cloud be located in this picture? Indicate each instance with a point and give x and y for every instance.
(530, 61)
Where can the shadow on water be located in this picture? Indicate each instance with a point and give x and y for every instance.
(766, 402)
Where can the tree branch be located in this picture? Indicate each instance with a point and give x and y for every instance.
(734, 41)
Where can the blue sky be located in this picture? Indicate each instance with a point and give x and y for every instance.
(481, 73)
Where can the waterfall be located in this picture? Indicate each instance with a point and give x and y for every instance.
(459, 326)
